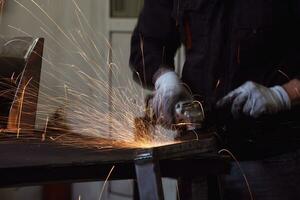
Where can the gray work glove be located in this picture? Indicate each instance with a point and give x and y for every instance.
(253, 100)
(169, 90)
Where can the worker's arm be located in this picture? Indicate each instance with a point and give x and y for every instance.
(154, 42)
(253, 99)
(293, 86)
(293, 90)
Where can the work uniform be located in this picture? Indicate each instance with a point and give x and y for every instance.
(227, 43)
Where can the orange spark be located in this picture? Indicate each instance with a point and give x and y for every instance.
(284, 74)
(21, 107)
(45, 130)
(103, 187)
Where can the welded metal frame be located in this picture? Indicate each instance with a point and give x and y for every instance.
(148, 176)
(35, 162)
(148, 173)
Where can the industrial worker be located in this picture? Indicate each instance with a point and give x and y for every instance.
(243, 62)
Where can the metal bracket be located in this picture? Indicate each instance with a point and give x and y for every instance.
(148, 176)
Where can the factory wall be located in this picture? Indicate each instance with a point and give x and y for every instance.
(24, 18)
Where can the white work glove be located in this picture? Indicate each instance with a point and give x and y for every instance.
(168, 91)
(253, 100)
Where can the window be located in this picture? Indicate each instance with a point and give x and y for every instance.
(125, 8)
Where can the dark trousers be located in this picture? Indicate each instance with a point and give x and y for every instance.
(274, 178)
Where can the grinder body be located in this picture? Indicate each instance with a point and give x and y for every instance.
(188, 117)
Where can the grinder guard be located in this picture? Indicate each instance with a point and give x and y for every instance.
(189, 119)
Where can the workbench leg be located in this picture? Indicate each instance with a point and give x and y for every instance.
(135, 191)
(149, 180)
(184, 188)
(57, 191)
(206, 188)
(215, 190)
(192, 188)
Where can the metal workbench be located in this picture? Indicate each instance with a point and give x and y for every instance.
(31, 162)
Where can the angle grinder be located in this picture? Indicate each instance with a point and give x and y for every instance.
(189, 120)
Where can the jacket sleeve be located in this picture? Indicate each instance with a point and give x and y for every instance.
(293, 52)
(296, 7)
(154, 41)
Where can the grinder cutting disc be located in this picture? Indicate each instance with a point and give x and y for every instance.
(189, 118)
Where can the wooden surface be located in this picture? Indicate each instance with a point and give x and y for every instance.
(29, 162)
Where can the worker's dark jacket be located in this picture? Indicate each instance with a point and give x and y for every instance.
(227, 43)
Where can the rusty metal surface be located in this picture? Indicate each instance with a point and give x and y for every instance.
(181, 149)
(27, 151)
(34, 162)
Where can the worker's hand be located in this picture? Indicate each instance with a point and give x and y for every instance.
(254, 100)
(168, 91)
